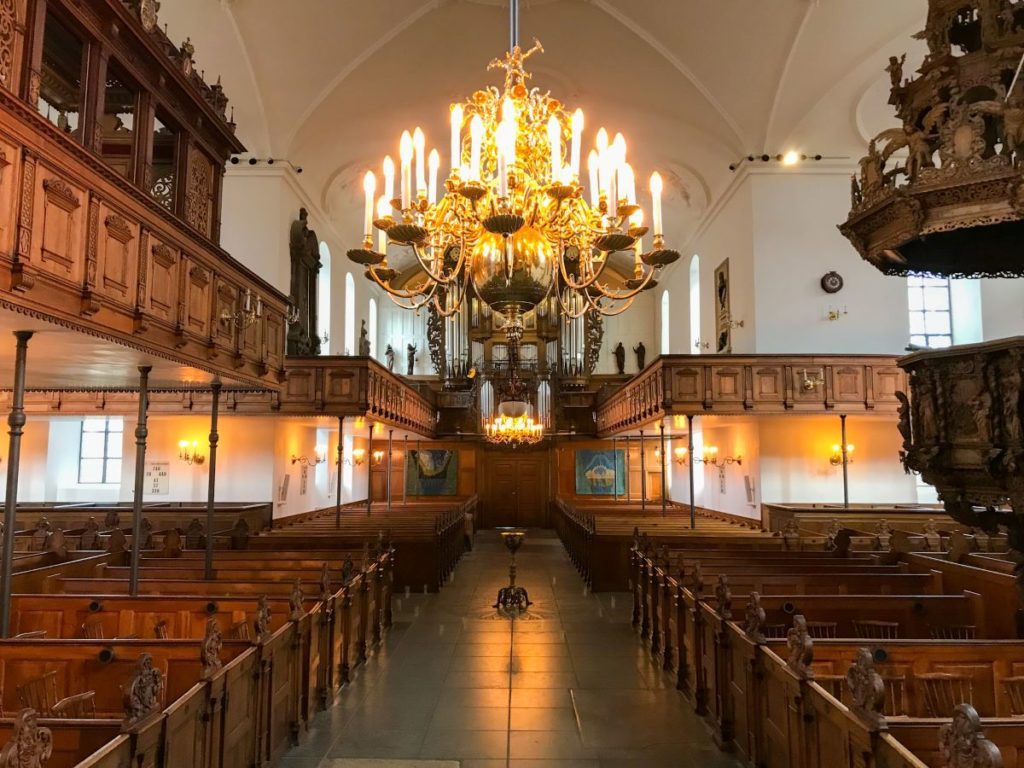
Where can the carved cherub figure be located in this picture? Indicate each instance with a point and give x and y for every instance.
(1011, 113)
(867, 690)
(209, 654)
(723, 597)
(142, 697)
(895, 70)
(30, 746)
(754, 625)
(801, 648)
(962, 743)
(295, 601)
(262, 623)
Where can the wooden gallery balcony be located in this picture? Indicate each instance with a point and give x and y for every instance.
(728, 385)
(111, 160)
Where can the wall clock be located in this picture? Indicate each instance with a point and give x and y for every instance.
(832, 282)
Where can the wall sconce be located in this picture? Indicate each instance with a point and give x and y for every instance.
(811, 383)
(250, 312)
(711, 457)
(837, 454)
(699, 345)
(834, 313)
(319, 457)
(358, 458)
(378, 457)
(291, 314)
(189, 452)
(731, 324)
(681, 455)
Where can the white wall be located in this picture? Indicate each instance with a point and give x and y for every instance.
(796, 242)
(1002, 308)
(638, 323)
(253, 458)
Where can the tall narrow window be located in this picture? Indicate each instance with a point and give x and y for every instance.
(117, 126)
(931, 317)
(99, 452)
(350, 314)
(371, 326)
(60, 87)
(695, 303)
(323, 300)
(665, 327)
(165, 162)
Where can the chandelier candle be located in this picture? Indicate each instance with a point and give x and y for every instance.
(555, 142)
(419, 143)
(405, 154)
(577, 140)
(389, 179)
(383, 211)
(369, 187)
(476, 137)
(456, 139)
(433, 164)
(656, 189)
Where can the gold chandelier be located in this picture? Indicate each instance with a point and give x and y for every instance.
(513, 426)
(513, 226)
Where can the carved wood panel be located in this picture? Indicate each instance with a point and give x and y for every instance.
(886, 382)
(848, 384)
(225, 299)
(340, 386)
(769, 384)
(162, 281)
(199, 191)
(301, 384)
(198, 290)
(12, 41)
(10, 170)
(727, 384)
(58, 234)
(273, 339)
(117, 257)
(687, 385)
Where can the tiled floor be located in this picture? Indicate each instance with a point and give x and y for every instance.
(570, 686)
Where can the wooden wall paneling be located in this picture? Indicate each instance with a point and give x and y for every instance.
(10, 171)
(687, 385)
(161, 282)
(727, 384)
(225, 305)
(12, 42)
(197, 299)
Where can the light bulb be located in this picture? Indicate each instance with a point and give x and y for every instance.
(791, 158)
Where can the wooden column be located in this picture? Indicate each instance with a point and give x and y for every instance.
(337, 489)
(211, 490)
(141, 432)
(693, 461)
(16, 422)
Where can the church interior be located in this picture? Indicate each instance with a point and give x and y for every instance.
(652, 397)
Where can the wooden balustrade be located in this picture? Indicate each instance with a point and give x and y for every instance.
(753, 384)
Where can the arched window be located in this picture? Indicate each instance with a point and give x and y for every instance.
(665, 348)
(371, 326)
(695, 303)
(350, 314)
(323, 300)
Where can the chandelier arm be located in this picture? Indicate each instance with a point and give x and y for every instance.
(613, 296)
(567, 312)
(613, 312)
(396, 294)
(414, 307)
(438, 278)
(585, 284)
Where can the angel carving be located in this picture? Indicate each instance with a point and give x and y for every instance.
(867, 689)
(1011, 113)
(30, 746)
(916, 142)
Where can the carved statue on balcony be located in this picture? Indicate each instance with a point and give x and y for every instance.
(410, 359)
(389, 356)
(620, 358)
(641, 355)
(895, 70)
(304, 248)
(364, 341)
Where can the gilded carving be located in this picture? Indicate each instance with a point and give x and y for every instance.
(30, 746)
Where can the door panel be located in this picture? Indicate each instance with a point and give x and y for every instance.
(517, 489)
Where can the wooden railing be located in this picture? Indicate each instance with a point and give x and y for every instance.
(753, 384)
(315, 386)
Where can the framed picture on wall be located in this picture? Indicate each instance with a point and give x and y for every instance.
(283, 492)
(723, 316)
(600, 472)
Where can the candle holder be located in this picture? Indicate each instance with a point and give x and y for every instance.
(513, 600)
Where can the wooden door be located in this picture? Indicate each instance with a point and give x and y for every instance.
(516, 488)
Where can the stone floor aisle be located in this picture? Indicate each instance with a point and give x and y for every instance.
(571, 686)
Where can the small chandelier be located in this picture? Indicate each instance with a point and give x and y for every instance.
(513, 426)
(512, 225)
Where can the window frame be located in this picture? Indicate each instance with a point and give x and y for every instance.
(106, 458)
(919, 283)
(86, 88)
(143, 119)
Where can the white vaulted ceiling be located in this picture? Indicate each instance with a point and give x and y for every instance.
(693, 84)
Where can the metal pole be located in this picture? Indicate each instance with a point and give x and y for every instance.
(664, 483)
(337, 479)
(405, 470)
(629, 485)
(615, 469)
(369, 471)
(513, 24)
(141, 432)
(643, 475)
(846, 463)
(693, 460)
(16, 422)
(212, 488)
(391, 438)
